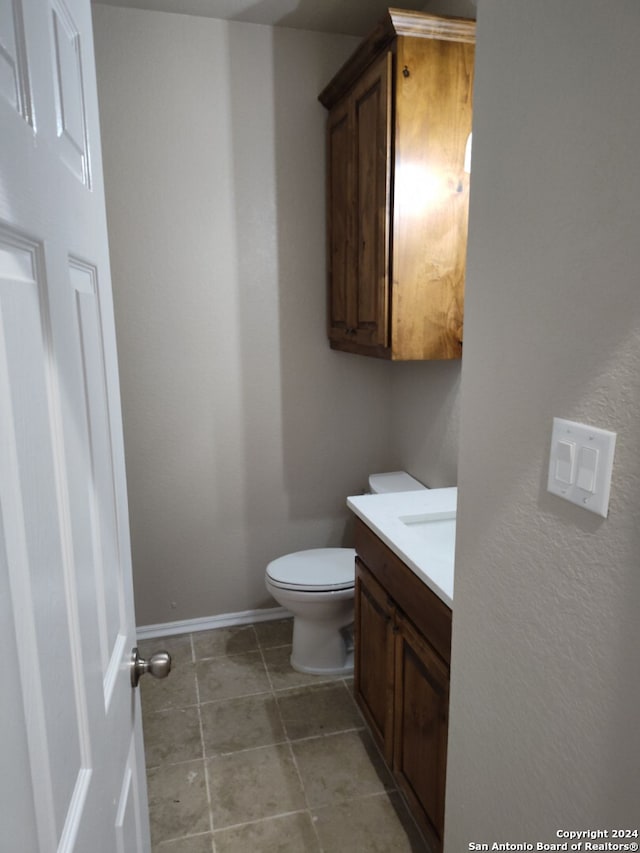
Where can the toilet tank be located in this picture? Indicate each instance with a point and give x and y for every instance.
(393, 481)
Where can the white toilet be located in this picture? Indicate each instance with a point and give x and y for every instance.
(317, 586)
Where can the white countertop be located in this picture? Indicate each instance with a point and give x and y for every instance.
(419, 527)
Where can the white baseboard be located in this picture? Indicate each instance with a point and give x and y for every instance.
(206, 623)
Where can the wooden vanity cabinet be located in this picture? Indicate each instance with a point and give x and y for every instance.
(397, 190)
(402, 655)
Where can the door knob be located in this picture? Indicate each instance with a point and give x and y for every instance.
(159, 665)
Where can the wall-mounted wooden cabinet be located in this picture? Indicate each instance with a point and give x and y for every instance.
(397, 190)
(402, 654)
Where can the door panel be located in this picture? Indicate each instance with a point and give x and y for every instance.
(39, 576)
(69, 92)
(101, 490)
(74, 734)
(19, 822)
(14, 81)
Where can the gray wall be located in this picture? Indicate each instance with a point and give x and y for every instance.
(457, 8)
(425, 414)
(243, 431)
(545, 689)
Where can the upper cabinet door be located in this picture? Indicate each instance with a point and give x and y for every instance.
(398, 192)
(340, 204)
(372, 112)
(433, 97)
(358, 181)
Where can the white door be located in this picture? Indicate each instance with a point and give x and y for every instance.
(71, 762)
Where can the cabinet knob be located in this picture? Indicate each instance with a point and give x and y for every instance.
(406, 72)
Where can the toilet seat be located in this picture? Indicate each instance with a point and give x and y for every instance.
(316, 570)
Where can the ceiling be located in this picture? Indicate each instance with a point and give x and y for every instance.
(352, 17)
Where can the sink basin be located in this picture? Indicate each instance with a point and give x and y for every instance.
(436, 530)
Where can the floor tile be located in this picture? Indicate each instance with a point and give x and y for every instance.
(171, 736)
(252, 785)
(277, 632)
(228, 677)
(194, 844)
(177, 690)
(243, 723)
(178, 646)
(225, 641)
(340, 767)
(377, 824)
(281, 672)
(317, 710)
(326, 790)
(178, 802)
(288, 834)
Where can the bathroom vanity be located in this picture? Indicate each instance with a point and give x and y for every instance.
(403, 640)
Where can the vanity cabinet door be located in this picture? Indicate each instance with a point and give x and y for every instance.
(421, 723)
(358, 191)
(374, 657)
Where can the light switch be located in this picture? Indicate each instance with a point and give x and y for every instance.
(587, 468)
(580, 464)
(565, 455)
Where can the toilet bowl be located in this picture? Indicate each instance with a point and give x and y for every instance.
(317, 587)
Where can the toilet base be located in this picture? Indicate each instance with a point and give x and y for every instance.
(346, 669)
(323, 647)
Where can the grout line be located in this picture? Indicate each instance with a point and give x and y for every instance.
(284, 742)
(325, 735)
(150, 711)
(173, 763)
(204, 757)
(304, 794)
(266, 669)
(259, 820)
(321, 682)
(248, 749)
(228, 655)
(232, 698)
(306, 798)
(183, 837)
(295, 763)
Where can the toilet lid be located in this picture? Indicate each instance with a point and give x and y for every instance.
(314, 570)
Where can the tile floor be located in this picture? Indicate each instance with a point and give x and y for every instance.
(245, 755)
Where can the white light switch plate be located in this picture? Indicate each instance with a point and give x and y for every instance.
(580, 464)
